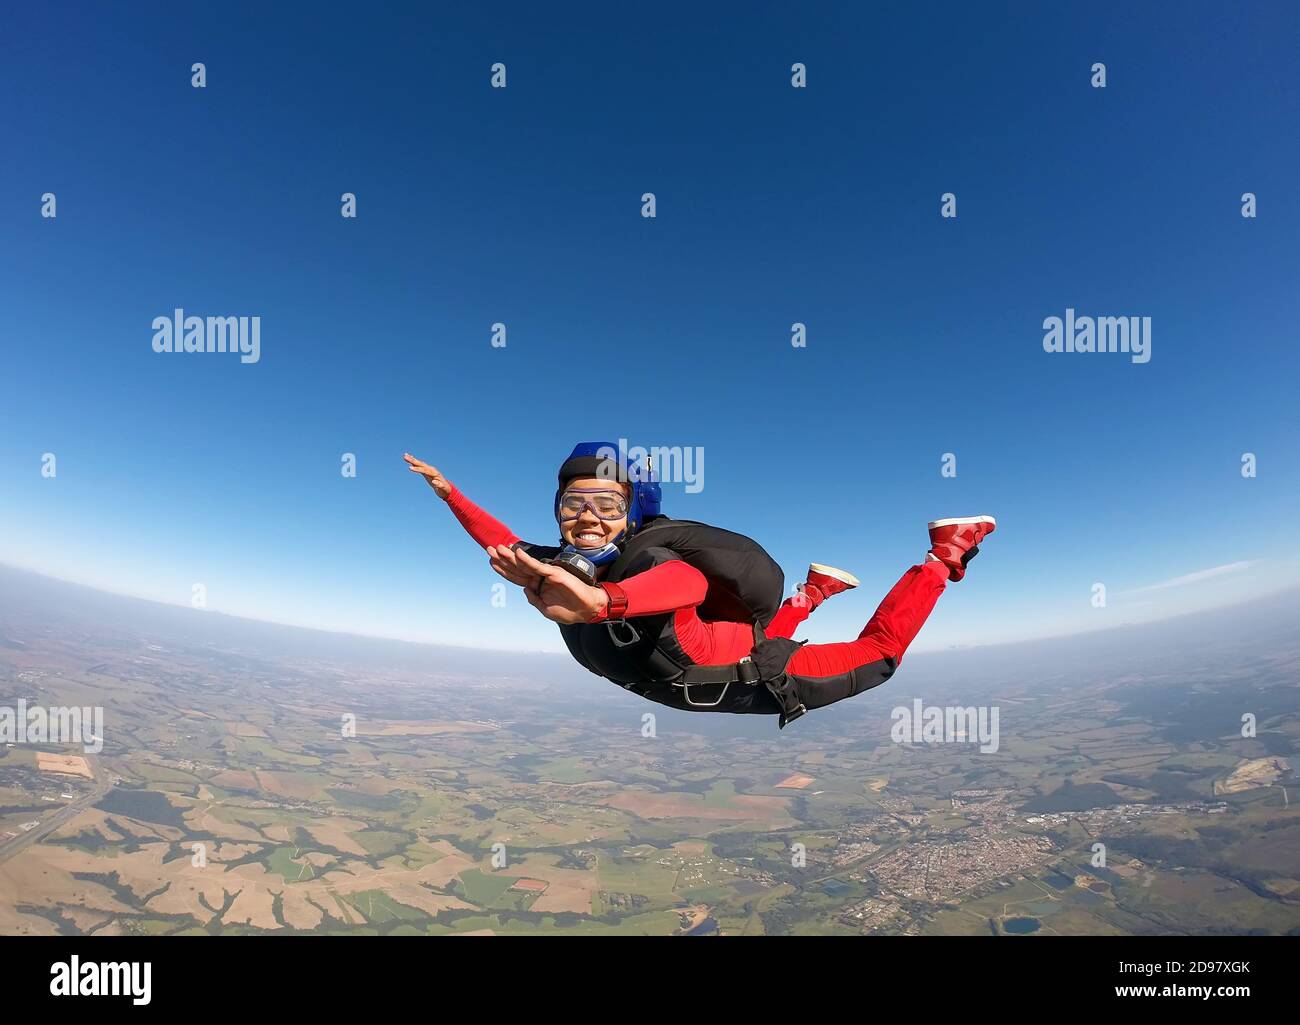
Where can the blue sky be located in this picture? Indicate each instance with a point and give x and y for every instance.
(775, 205)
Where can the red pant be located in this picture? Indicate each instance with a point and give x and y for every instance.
(887, 634)
(885, 637)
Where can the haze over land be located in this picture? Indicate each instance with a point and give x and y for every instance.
(229, 734)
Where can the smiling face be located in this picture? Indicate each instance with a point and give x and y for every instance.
(588, 530)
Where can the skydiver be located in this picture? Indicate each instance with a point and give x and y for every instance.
(690, 615)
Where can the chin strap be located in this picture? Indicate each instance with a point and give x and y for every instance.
(584, 563)
(601, 556)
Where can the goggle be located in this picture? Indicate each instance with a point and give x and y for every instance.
(607, 505)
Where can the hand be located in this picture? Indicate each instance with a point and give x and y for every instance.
(440, 484)
(509, 563)
(554, 592)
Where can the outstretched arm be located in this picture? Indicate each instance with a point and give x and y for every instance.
(481, 526)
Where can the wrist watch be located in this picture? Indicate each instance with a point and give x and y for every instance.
(616, 606)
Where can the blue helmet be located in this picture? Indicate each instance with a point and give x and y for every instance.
(608, 461)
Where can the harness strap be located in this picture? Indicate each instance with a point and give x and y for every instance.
(772, 656)
(743, 671)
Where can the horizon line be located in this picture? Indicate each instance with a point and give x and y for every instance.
(543, 651)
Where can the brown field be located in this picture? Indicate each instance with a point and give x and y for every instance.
(445, 869)
(287, 784)
(230, 851)
(69, 765)
(13, 923)
(236, 779)
(334, 832)
(1256, 772)
(202, 820)
(377, 785)
(245, 729)
(91, 820)
(564, 897)
(742, 807)
(567, 889)
(253, 907)
(797, 781)
(297, 912)
(390, 728)
(49, 879)
(418, 897)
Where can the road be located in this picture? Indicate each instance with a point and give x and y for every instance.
(61, 817)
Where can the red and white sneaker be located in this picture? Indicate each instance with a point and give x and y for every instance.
(824, 581)
(955, 542)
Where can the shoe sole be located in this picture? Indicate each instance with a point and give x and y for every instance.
(834, 574)
(962, 519)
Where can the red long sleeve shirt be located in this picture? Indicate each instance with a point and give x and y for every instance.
(668, 587)
(478, 524)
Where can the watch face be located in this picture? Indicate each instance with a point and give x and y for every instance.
(579, 565)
